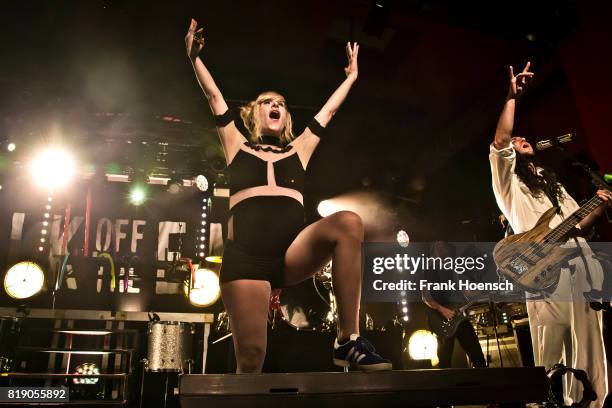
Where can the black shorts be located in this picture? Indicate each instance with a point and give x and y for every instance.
(237, 264)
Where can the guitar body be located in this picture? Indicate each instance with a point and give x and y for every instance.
(441, 326)
(528, 260)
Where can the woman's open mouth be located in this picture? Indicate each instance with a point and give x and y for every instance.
(275, 114)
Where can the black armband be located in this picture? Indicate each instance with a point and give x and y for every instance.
(224, 119)
(316, 128)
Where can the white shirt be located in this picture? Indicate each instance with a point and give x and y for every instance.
(520, 207)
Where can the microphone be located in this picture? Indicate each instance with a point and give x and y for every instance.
(545, 144)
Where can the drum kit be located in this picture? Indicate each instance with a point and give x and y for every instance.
(170, 347)
(308, 306)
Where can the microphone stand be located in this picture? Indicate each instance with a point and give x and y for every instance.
(598, 181)
(596, 178)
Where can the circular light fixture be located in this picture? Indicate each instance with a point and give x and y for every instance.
(201, 182)
(86, 369)
(24, 280)
(423, 345)
(205, 290)
(11, 147)
(402, 238)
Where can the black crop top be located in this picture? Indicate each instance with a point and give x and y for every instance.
(249, 167)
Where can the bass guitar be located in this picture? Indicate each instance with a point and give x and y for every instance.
(533, 259)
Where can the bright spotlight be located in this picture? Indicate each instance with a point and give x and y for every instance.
(137, 195)
(402, 238)
(11, 147)
(52, 168)
(423, 345)
(327, 207)
(201, 182)
(24, 280)
(205, 290)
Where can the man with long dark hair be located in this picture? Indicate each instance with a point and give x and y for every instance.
(563, 327)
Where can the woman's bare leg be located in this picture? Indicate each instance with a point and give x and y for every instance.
(339, 237)
(247, 303)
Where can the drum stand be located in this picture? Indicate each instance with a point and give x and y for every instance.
(145, 363)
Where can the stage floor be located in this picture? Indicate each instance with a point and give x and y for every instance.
(391, 388)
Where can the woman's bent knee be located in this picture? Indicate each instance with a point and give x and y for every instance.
(350, 223)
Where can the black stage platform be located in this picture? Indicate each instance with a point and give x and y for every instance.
(356, 389)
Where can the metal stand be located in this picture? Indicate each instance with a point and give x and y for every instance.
(494, 312)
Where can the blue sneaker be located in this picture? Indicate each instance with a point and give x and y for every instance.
(359, 353)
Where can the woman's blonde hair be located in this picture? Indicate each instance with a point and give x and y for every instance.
(250, 117)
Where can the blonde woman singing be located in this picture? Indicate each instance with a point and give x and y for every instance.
(269, 245)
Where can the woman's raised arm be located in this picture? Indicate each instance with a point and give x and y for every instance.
(194, 42)
(337, 98)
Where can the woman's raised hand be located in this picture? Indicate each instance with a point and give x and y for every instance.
(519, 82)
(194, 40)
(352, 51)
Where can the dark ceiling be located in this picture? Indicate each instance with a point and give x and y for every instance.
(433, 74)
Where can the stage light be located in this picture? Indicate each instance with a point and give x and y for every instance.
(24, 280)
(214, 259)
(52, 168)
(327, 207)
(201, 254)
(84, 370)
(11, 147)
(137, 195)
(205, 288)
(402, 238)
(201, 182)
(423, 345)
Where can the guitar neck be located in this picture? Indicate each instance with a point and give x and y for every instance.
(570, 222)
(463, 308)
